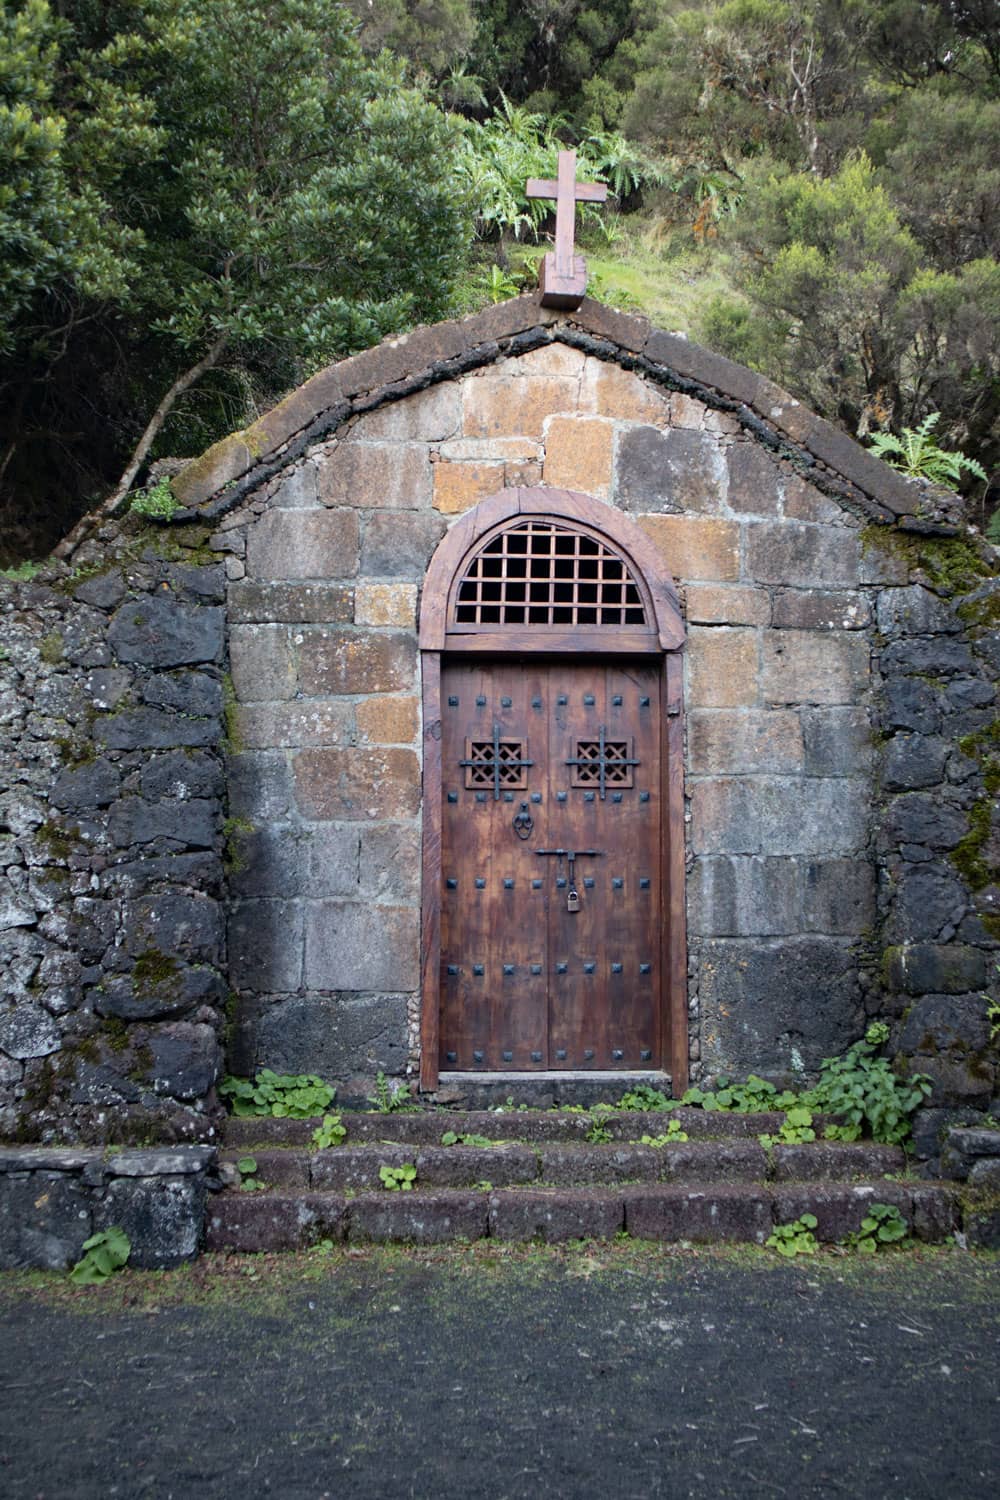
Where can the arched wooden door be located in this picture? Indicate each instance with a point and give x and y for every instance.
(553, 846)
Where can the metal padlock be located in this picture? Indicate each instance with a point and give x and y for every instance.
(572, 900)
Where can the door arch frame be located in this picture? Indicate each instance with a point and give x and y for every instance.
(663, 638)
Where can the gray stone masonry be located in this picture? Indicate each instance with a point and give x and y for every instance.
(840, 681)
(53, 1199)
(111, 832)
(795, 619)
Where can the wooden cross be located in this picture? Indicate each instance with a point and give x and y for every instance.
(563, 277)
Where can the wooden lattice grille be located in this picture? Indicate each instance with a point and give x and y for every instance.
(603, 762)
(496, 763)
(539, 573)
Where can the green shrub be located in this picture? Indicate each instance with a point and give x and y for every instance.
(158, 503)
(331, 1133)
(104, 1254)
(292, 1096)
(795, 1239)
(398, 1179)
(882, 1225)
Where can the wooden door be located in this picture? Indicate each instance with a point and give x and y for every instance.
(548, 962)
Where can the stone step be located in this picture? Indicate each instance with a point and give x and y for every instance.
(668, 1212)
(426, 1127)
(355, 1168)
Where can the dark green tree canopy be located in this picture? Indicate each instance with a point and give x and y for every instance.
(209, 185)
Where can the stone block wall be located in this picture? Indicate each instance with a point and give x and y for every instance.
(938, 839)
(112, 995)
(840, 761)
(52, 1199)
(325, 567)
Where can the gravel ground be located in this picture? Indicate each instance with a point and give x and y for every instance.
(615, 1371)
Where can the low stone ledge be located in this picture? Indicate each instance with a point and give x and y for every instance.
(701, 1217)
(417, 1218)
(835, 1161)
(251, 1223)
(555, 1216)
(53, 1198)
(462, 1166)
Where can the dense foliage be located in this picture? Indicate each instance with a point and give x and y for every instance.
(192, 191)
(202, 200)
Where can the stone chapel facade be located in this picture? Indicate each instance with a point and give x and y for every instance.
(560, 568)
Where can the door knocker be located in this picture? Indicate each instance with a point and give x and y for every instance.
(523, 822)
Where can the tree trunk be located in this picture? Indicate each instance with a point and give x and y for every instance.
(156, 421)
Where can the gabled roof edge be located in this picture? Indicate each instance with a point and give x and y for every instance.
(217, 481)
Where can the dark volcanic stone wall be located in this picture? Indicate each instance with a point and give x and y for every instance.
(938, 833)
(111, 834)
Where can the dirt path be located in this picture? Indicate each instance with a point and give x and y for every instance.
(473, 1374)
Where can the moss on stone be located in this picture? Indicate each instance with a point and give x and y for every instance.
(951, 564)
(233, 860)
(75, 753)
(233, 740)
(89, 1049)
(60, 842)
(967, 855)
(153, 969)
(51, 648)
(116, 1033)
(142, 1066)
(38, 1090)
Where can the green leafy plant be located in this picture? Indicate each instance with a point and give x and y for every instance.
(391, 1101)
(500, 284)
(795, 1131)
(882, 1225)
(331, 1133)
(292, 1096)
(795, 1239)
(917, 453)
(863, 1090)
(451, 1138)
(993, 1014)
(158, 503)
(598, 1134)
(643, 1096)
(483, 1187)
(672, 1133)
(398, 1179)
(752, 1097)
(249, 1181)
(23, 573)
(104, 1254)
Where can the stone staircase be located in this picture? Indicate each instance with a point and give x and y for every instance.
(540, 1178)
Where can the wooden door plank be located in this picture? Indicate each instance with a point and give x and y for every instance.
(674, 926)
(430, 907)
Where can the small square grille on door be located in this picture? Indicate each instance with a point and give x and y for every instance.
(491, 762)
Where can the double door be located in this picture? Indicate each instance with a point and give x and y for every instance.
(551, 864)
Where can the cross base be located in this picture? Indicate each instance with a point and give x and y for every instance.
(562, 290)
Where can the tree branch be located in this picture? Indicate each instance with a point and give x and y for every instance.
(156, 421)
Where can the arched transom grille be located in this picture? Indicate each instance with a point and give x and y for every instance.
(538, 573)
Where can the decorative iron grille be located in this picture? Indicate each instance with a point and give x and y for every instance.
(602, 763)
(539, 573)
(496, 763)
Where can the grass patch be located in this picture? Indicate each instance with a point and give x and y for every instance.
(261, 1283)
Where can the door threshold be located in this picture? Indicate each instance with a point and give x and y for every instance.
(559, 1075)
(546, 1089)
